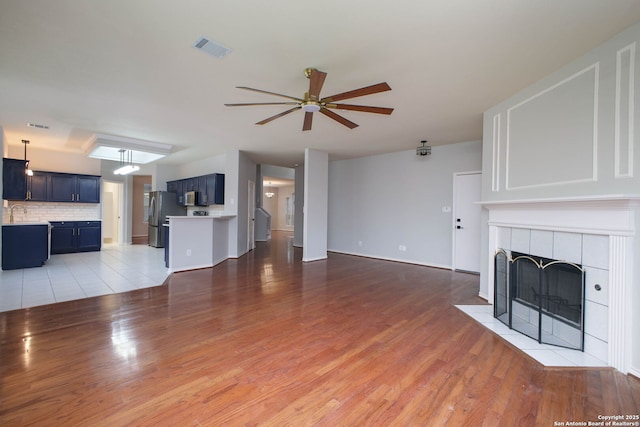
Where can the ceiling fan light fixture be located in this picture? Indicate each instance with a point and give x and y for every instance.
(423, 150)
(310, 107)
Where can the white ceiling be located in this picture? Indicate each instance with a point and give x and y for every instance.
(128, 68)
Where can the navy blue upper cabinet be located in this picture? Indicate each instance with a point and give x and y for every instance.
(14, 179)
(180, 186)
(62, 187)
(47, 186)
(210, 188)
(88, 189)
(37, 190)
(74, 188)
(215, 189)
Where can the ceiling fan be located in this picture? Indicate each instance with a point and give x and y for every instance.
(312, 102)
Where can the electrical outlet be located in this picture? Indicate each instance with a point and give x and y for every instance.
(402, 248)
(188, 252)
(360, 243)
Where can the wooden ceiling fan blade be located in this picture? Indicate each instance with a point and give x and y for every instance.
(270, 93)
(308, 119)
(277, 116)
(316, 80)
(260, 103)
(363, 108)
(338, 118)
(369, 90)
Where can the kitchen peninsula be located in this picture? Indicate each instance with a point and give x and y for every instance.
(197, 241)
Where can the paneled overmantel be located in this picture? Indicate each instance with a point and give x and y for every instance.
(598, 232)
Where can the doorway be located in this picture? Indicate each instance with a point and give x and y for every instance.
(140, 209)
(112, 211)
(467, 191)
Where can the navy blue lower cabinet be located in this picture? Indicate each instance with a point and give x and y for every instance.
(24, 246)
(75, 236)
(63, 237)
(89, 236)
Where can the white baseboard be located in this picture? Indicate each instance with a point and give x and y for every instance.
(446, 267)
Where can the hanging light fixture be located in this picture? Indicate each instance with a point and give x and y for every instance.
(269, 194)
(27, 171)
(126, 163)
(423, 150)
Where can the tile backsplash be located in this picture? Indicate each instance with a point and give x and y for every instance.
(45, 211)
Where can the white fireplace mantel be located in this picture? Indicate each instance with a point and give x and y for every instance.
(614, 216)
(608, 215)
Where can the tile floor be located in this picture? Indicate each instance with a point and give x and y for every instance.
(545, 354)
(67, 277)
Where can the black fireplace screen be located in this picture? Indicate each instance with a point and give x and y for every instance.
(541, 298)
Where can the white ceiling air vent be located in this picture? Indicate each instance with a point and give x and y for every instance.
(212, 48)
(37, 126)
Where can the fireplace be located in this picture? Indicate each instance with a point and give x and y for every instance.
(540, 297)
(597, 234)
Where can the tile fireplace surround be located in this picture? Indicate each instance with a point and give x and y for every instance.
(598, 233)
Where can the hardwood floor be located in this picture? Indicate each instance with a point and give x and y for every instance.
(268, 340)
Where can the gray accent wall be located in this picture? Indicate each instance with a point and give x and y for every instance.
(571, 134)
(379, 203)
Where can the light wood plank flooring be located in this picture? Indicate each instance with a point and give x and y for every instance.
(269, 340)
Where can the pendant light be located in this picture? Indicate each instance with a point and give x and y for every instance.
(126, 163)
(28, 171)
(423, 150)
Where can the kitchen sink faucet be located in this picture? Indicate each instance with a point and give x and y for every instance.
(11, 211)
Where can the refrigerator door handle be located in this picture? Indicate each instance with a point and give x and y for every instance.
(153, 218)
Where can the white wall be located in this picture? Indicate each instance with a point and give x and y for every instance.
(572, 135)
(239, 171)
(281, 219)
(315, 228)
(56, 161)
(298, 239)
(278, 172)
(213, 164)
(4, 154)
(380, 202)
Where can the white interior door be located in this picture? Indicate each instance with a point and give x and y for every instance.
(466, 221)
(251, 240)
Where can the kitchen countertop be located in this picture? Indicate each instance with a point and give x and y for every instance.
(190, 217)
(27, 223)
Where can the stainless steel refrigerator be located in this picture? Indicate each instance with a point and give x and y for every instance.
(161, 204)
